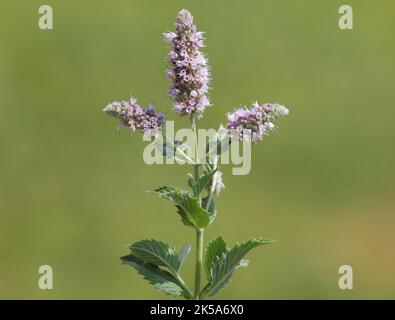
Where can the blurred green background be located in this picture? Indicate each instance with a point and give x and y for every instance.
(72, 188)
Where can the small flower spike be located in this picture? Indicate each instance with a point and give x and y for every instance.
(188, 73)
(131, 115)
(255, 121)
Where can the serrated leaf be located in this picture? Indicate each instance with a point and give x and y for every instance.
(169, 192)
(189, 208)
(223, 268)
(201, 183)
(161, 279)
(177, 196)
(157, 253)
(214, 250)
(191, 211)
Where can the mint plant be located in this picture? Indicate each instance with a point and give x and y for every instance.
(189, 75)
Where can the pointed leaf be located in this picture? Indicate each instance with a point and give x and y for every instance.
(215, 249)
(157, 253)
(177, 196)
(223, 268)
(201, 183)
(161, 279)
(191, 211)
(169, 192)
(189, 208)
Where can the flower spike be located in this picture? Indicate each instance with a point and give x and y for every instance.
(188, 72)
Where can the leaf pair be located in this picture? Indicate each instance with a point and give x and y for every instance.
(160, 265)
(221, 262)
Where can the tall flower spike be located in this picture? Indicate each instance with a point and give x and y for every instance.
(256, 121)
(188, 73)
(131, 115)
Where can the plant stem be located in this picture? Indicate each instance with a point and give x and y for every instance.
(199, 261)
(199, 232)
(193, 120)
(184, 285)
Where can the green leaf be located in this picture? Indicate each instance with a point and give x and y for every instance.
(223, 267)
(161, 279)
(177, 196)
(189, 208)
(201, 183)
(150, 257)
(215, 249)
(170, 193)
(191, 211)
(157, 253)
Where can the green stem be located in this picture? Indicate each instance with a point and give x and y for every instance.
(184, 285)
(199, 261)
(196, 144)
(199, 232)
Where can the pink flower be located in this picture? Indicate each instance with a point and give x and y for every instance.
(189, 71)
